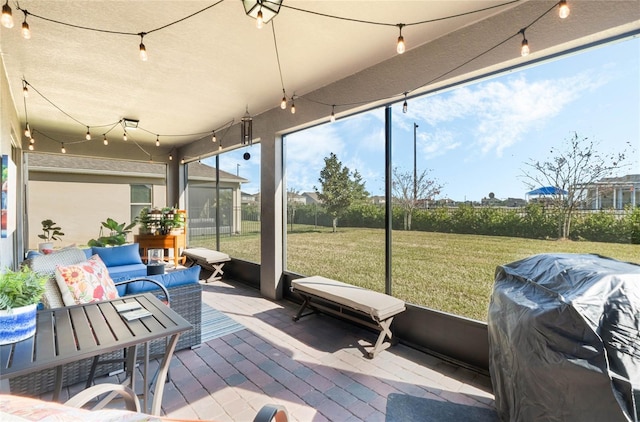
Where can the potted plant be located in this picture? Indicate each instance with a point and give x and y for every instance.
(160, 221)
(20, 292)
(50, 232)
(117, 233)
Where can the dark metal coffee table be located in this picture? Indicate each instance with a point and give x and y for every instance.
(78, 332)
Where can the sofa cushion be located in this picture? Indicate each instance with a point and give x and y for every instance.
(46, 264)
(126, 272)
(85, 282)
(119, 255)
(172, 279)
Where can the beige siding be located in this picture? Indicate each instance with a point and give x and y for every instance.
(79, 208)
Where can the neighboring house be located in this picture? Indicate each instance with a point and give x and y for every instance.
(613, 192)
(250, 198)
(79, 193)
(295, 198)
(378, 200)
(311, 198)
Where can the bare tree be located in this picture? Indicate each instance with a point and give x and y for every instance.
(409, 192)
(572, 171)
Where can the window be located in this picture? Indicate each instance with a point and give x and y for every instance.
(465, 178)
(141, 197)
(227, 212)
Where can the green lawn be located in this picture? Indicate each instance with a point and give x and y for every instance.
(449, 272)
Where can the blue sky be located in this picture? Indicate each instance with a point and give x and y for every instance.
(475, 139)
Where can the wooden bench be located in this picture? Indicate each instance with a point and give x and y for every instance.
(210, 260)
(378, 307)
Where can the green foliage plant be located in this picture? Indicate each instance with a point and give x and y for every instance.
(20, 288)
(117, 233)
(50, 231)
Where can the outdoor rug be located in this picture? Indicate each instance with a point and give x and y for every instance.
(406, 408)
(216, 324)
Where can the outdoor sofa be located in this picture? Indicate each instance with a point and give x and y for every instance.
(182, 286)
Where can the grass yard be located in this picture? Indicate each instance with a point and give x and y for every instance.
(449, 272)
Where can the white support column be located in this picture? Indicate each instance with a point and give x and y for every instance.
(271, 209)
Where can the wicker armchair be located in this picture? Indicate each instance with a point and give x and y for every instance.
(186, 300)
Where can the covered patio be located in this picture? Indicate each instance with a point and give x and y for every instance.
(190, 98)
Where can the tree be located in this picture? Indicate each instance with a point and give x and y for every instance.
(339, 188)
(404, 194)
(572, 169)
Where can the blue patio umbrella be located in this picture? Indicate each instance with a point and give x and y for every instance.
(547, 190)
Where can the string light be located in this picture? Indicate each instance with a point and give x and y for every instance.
(170, 157)
(563, 9)
(182, 161)
(293, 107)
(27, 131)
(333, 113)
(124, 136)
(26, 32)
(524, 48)
(400, 46)
(259, 19)
(213, 138)
(7, 16)
(32, 140)
(63, 149)
(105, 140)
(157, 140)
(405, 106)
(88, 135)
(31, 147)
(283, 103)
(143, 50)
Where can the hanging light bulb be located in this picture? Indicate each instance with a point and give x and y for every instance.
(182, 161)
(333, 113)
(283, 103)
(524, 49)
(143, 50)
(124, 136)
(293, 107)
(105, 140)
(63, 149)
(170, 157)
(88, 135)
(27, 131)
(213, 138)
(405, 106)
(563, 9)
(32, 140)
(157, 140)
(259, 20)
(7, 16)
(26, 32)
(25, 90)
(400, 46)
(31, 147)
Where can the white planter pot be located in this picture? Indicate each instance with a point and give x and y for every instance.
(45, 247)
(17, 324)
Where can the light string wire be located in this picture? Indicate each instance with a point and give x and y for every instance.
(108, 31)
(112, 125)
(275, 43)
(405, 93)
(326, 15)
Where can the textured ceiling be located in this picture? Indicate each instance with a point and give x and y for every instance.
(204, 71)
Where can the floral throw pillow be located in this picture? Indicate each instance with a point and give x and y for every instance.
(85, 282)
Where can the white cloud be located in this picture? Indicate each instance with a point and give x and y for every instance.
(501, 113)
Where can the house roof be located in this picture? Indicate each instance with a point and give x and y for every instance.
(63, 163)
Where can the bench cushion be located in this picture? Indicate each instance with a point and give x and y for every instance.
(208, 255)
(378, 305)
